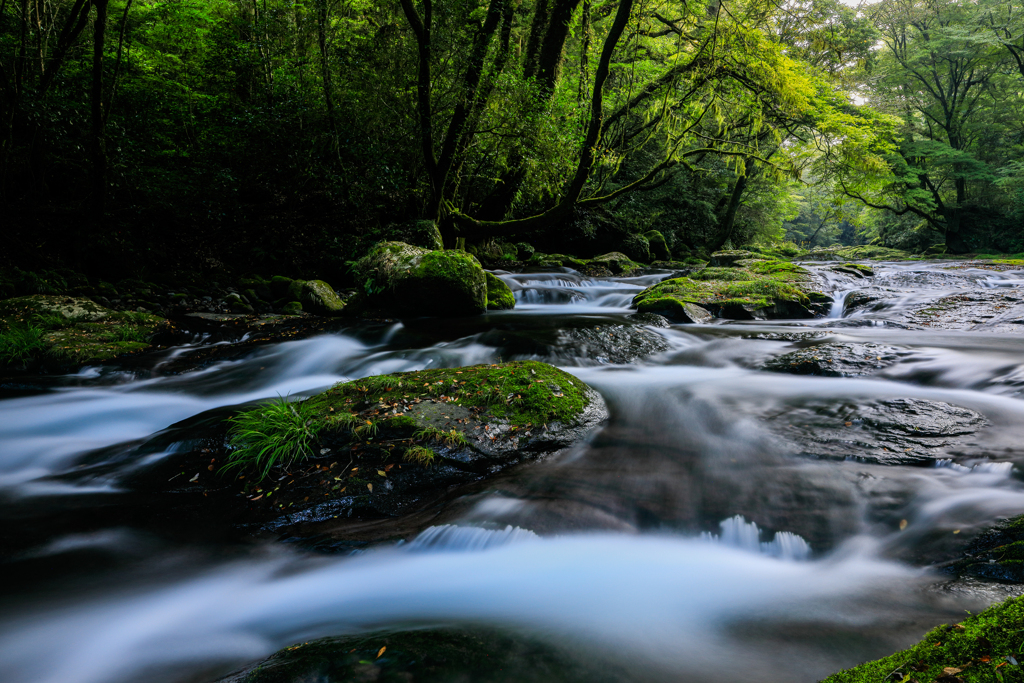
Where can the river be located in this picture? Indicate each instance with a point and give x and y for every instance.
(696, 536)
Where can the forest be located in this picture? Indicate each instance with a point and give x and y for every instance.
(278, 135)
(512, 341)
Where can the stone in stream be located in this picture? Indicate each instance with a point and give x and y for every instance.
(399, 279)
(433, 655)
(384, 446)
(898, 431)
(614, 343)
(316, 296)
(743, 288)
(838, 359)
(499, 295)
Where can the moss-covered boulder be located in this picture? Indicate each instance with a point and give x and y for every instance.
(316, 296)
(499, 295)
(658, 246)
(53, 332)
(616, 262)
(381, 444)
(399, 279)
(997, 554)
(753, 289)
(553, 260)
(981, 648)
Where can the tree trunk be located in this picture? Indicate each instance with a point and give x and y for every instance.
(728, 220)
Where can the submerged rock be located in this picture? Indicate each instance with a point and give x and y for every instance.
(429, 656)
(837, 360)
(748, 289)
(615, 343)
(399, 279)
(899, 431)
(997, 554)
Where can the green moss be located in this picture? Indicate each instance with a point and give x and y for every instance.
(757, 283)
(978, 646)
(523, 392)
(499, 296)
(66, 330)
(722, 274)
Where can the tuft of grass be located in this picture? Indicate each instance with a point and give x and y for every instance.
(277, 434)
(419, 455)
(131, 333)
(18, 343)
(452, 437)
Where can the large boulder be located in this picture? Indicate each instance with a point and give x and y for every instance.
(727, 259)
(658, 245)
(316, 296)
(615, 261)
(386, 444)
(399, 279)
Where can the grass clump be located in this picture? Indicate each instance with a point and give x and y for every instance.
(419, 455)
(277, 434)
(19, 343)
(982, 648)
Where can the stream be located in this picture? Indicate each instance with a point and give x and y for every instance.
(715, 529)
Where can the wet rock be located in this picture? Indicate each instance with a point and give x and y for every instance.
(997, 554)
(615, 343)
(899, 431)
(860, 299)
(385, 446)
(837, 360)
(499, 295)
(429, 656)
(761, 290)
(855, 269)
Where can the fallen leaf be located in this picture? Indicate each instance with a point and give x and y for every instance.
(382, 473)
(950, 671)
(370, 486)
(903, 524)
(194, 479)
(381, 651)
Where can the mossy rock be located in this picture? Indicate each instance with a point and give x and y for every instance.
(979, 649)
(400, 279)
(60, 332)
(727, 259)
(499, 295)
(317, 297)
(279, 286)
(563, 260)
(615, 261)
(762, 289)
(412, 436)
(636, 247)
(292, 308)
(525, 250)
(426, 234)
(658, 246)
(863, 252)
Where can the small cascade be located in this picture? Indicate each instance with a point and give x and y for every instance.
(453, 538)
(1001, 468)
(739, 533)
(838, 303)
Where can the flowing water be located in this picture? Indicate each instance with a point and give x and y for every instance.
(692, 537)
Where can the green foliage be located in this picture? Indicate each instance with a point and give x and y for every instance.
(979, 648)
(277, 434)
(20, 342)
